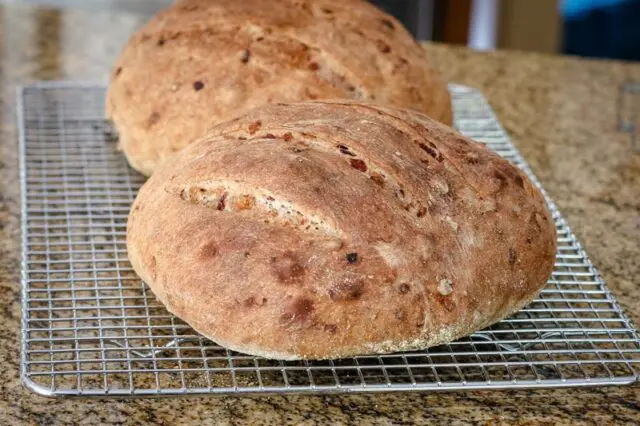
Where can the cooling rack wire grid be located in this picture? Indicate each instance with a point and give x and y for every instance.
(91, 327)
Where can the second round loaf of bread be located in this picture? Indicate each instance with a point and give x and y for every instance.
(199, 62)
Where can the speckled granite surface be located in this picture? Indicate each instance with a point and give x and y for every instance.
(560, 112)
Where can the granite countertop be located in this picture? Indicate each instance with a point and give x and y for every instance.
(561, 113)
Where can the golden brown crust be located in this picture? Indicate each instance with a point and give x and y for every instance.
(329, 229)
(200, 62)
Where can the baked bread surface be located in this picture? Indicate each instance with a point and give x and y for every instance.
(200, 62)
(329, 229)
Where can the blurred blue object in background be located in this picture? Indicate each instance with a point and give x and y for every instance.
(575, 8)
(601, 28)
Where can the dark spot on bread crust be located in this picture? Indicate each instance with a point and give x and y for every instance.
(404, 288)
(502, 179)
(345, 150)
(352, 258)
(222, 202)
(287, 268)
(505, 174)
(377, 178)
(383, 47)
(287, 317)
(253, 127)
(472, 157)
(198, 85)
(358, 164)
(117, 71)
(299, 311)
(330, 328)
(327, 10)
(535, 219)
(245, 56)
(251, 301)
(498, 175)
(431, 151)
(421, 211)
(153, 118)
(346, 289)
(269, 136)
(387, 23)
(313, 66)
(208, 250)
(287, 137)
(161, 41)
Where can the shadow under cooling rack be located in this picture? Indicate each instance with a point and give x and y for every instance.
(91, 327)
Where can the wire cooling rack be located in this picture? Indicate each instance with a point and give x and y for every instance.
(91, 327)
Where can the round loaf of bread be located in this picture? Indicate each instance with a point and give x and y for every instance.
(333, 228)
(200, 62)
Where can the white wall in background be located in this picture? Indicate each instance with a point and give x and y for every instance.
(483, 28)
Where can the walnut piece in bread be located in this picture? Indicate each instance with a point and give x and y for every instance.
(200, 62)
(329, 229)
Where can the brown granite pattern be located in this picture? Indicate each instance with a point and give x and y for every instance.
(561, 114)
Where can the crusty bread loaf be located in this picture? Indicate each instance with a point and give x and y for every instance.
(328, 229)
(200, 62)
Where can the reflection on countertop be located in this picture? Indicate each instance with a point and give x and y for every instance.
(561, 113)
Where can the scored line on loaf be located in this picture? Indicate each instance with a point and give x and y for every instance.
(236, 196)
(332, 72)
(325, 141)
(334, 139)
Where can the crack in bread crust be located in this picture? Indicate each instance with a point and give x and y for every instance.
(237, 196)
